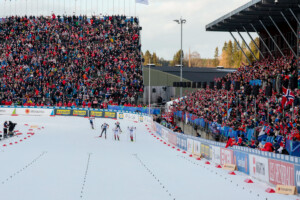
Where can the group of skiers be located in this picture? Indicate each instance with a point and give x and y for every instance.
(116, 130)
(8, 128)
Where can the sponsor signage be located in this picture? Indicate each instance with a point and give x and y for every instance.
(259, 167)
(111, 115)
(97, 114)
(190, 145)
(281, 173)
(286, 189)
(33, 111)
(197, 148)
(229, 167)
(81, 113)
(182, 142)
(242, 161)
(226, 156)
(131, 117)
(205, 151)
(63, 112)
(216, 154)
(172, 138)
(297, 177)
(120, 115)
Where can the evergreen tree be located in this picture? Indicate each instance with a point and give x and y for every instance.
(216, 57)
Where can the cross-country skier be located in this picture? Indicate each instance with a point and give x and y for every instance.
(118, 126)
(91, 122)
(131, 130)
(116, 131)
(104, 128)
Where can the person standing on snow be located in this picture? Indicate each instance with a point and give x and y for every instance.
(131, 131)
(104, 128)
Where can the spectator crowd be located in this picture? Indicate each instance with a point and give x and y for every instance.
(70, 61)
(263, 96)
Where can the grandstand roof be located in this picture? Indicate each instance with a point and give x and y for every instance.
(254, 11)
(196, 74)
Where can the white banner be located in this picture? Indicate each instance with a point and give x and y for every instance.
(197, 148)
(190, 145)
(131, 117)
(259, 167)
(33, 111)
(6, 111)
(216, 154)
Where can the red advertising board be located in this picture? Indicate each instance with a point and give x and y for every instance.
(281, 173)
(172, 138)
(226, 156)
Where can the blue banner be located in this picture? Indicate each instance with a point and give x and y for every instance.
(153, 111)
(182, 141)
(297, 177)
(242, 161)
(293, 147)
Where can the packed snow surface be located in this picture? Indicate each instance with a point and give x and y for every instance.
(66, 160)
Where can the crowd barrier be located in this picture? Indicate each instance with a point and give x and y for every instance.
(153, 111)
(78, 112)
(276, 169)
(293, 147)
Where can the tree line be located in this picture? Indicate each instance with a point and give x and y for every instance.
(231, 57)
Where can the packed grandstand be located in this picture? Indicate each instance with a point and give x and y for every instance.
(70, 61)
(261, 113)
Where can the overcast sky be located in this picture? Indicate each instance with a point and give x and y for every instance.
(160, 33)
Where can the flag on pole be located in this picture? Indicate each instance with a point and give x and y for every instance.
(142, 2)
(288, 97)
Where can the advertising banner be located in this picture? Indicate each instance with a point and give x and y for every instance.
(80, 113)
(216, 154)
(172, 138)
(259, 167)
(63, 112)
(197, 148)
(97, 114)
(205, 151)
(141, 118)
(164, 134)
(190, 145)
(33, 111)
(131, 117)
(281, 173)
(242, 161)
(110, 115)
(226, 156)
(121, 116)
(182, 142)
(297, 177)
(6, 111)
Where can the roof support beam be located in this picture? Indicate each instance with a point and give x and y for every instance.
(240, 48)
(283, 36)
(271, 38)
(294, 16)
(262, 55)
(287, 21)
(247, 45)
(262, 41)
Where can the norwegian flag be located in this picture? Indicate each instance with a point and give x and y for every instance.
(287, 98)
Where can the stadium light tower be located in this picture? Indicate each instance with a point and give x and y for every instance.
(181, 22)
